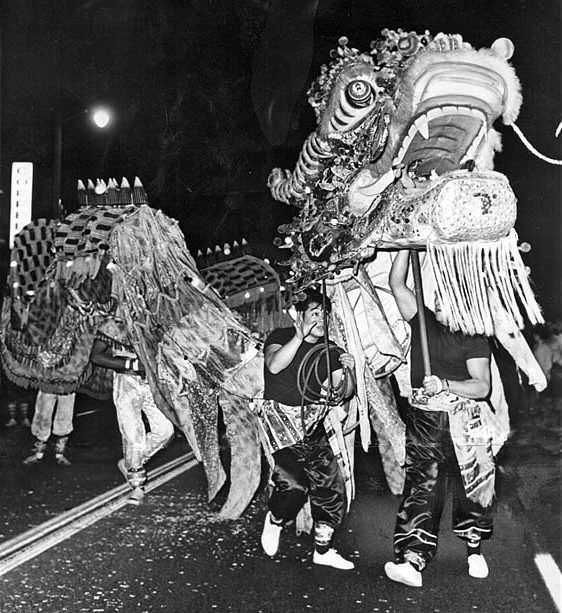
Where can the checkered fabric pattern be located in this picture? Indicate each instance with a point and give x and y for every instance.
(240, 275)
(31, 255)
(87, 231)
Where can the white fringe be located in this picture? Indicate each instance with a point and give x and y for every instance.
(466, 273)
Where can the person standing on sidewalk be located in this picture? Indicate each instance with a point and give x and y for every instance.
(305, 464)
(444, 434)
(44, 424)
(133, 399)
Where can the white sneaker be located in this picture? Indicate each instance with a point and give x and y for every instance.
(136, 496)
(477, 566)
(34, 458)
(332, 558)
(270, 535)
(403, 573)
(62, 460)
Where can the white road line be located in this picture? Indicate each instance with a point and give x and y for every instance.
(551, 576)
(35, 541)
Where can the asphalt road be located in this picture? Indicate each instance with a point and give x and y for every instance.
(171, 555)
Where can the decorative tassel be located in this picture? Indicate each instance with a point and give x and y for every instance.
(465, 273)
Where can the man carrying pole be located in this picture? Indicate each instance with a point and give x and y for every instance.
(450, 372)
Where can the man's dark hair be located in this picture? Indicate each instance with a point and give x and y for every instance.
(312, 295)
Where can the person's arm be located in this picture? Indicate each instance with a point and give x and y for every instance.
(477, 387)
(278, 357)
(102, 355)
(404, 296)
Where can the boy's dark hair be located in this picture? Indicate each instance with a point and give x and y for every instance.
(312, 295)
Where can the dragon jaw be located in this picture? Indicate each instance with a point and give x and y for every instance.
(445, 111)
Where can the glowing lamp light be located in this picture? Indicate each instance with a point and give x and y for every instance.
(262, 289)
(247, 295)
(101, 117)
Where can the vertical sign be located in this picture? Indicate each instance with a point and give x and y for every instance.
(20, 202)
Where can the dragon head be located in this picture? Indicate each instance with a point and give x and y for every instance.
(403, 153)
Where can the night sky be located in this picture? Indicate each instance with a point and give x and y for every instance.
(190, 83)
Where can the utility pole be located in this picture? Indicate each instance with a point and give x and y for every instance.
(56, 206)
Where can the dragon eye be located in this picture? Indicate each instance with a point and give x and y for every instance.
(360, 93)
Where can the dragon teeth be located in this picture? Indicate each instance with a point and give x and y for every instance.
(422, 125)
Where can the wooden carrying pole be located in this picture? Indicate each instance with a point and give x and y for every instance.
(326, 339)
(416, 270)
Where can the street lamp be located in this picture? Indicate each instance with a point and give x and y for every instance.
(101, 117)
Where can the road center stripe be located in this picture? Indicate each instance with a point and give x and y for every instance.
(31, 543)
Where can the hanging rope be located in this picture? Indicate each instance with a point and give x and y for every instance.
(309, 379)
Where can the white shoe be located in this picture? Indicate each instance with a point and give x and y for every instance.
(332, 558)
(136, 496)
(34, 458)
(62, 460)
(403, 573)
(477, 566)
(270, 535)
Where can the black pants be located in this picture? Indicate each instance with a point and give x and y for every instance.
(430, 463)
(308, 468)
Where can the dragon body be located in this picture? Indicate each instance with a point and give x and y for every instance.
(67, 278)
